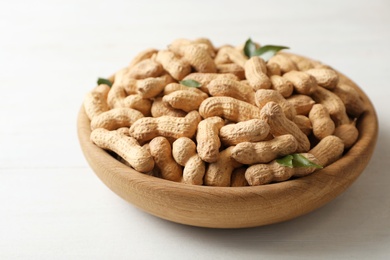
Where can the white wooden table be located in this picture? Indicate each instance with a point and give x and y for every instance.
(52, 206)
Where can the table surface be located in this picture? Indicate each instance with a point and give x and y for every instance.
(52, 206)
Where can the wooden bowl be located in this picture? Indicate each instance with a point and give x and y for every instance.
(233, 207)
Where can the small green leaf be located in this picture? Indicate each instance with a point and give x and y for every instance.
(301, 161)
(286, 161)
(249, 48)
(190, 83)
(104, 81)
(267, 51)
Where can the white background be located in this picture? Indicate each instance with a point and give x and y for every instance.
(52, 206)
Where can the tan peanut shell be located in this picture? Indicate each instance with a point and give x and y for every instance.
(231, 88)
(256, 73)
(260, 174)
(231, 68)
(185, 100)
(205, 78)
(199, 58)
(116, 118)
(264, 151)
(354, 105)
(151, 87)
(219, 173)
(303, 123)
(228, 108)
(348, 133)
(333, 104)
(160, 108)
(161, 151)
(143, 55)
(279, 124)
(320, 119)
(326, 78)
(207, 138)
(146, 69)
(300, 62)
(148, 128)
(125, 146)
(283, 86)
(284, 62)
(273, 69)
(95, 102)
(172, 87)
(253, 130)
(303, 83)
(175, 66)
(263, 96)
(328, 150)
(238, 178)
(229, 54)
(184, 152)
(136, 102)
(301, 103)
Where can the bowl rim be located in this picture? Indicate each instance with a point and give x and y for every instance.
(124, 180)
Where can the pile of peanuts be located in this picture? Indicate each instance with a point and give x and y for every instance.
(230, 130)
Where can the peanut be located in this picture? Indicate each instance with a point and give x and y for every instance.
(219, 173)
(260, 174)
(256, 73)
(320, 119)
(303, 123)
(136, 102)
(301, 103)
(303, 83)
(116, 118)
(273, 69)
(208, 140)
(326, 78)
(263, 96)
(354, 105)
(231, 68)
(253, 130)
(273, 114)
(328, 150)
(185, 100)
(160, 108)
(333, 104)
(146, 54)
(125, 146)
(348, 133)
(117, 93)
(172, 87)
(228, 108)
(95, 102)
(145, 69)
(228, 54)
(238, 178)
(284, 62)
(231, 88)
(199, 58)
(283, 86)
(175, 66)
(148, 128)
(301, 63)
(161, 151)
(205, 78)
(178, 46)
(151, 87)
(264, 151)
(184, 153)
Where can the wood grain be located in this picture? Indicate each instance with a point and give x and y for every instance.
(234, 207)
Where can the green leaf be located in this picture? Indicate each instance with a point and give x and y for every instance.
(190, 83)
(249, 48)
(286, 161)
(267, 51)
(104, 81)
(301, 161)
(296, 160)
